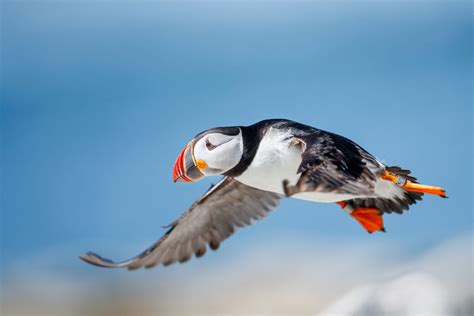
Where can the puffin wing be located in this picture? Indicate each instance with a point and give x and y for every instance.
(333, 163)
(211, 219)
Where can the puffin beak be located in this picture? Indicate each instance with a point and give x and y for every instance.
(185, 169)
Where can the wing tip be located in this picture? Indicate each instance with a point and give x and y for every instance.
(96, 260)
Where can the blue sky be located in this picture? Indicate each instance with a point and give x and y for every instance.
(97, 100)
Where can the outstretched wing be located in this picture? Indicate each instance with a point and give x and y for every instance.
(334, 163)
(211, 219)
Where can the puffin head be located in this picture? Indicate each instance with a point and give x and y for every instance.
(212, 152)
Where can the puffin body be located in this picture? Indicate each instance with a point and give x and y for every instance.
(278, 157)
(263, 163)
(350, 172)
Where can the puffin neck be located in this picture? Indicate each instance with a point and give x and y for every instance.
(251, 137)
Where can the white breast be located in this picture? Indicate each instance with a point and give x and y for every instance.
(276, 160)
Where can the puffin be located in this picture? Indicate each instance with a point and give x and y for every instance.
(263, 163)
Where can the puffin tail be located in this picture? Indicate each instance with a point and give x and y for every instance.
(369, 211)
(392, 204)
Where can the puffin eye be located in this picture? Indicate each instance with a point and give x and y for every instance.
(209, 145)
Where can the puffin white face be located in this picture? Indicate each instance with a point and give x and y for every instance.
(210, 153)
(216, 153)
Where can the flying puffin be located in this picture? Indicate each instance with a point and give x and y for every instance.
(263, 163)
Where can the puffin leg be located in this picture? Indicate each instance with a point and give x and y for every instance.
(412, 186)
(370, 218)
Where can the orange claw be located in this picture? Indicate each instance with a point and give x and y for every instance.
(370, 218)
(342, 204)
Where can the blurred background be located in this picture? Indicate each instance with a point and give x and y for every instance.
(98, 98)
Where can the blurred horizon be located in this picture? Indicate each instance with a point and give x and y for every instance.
(98, 98)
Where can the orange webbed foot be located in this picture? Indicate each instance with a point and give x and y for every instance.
(370, 218)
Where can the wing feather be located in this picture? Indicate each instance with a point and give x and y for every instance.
(211, 219)
(334, 163)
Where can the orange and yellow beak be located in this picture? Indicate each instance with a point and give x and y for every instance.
(186, 169)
